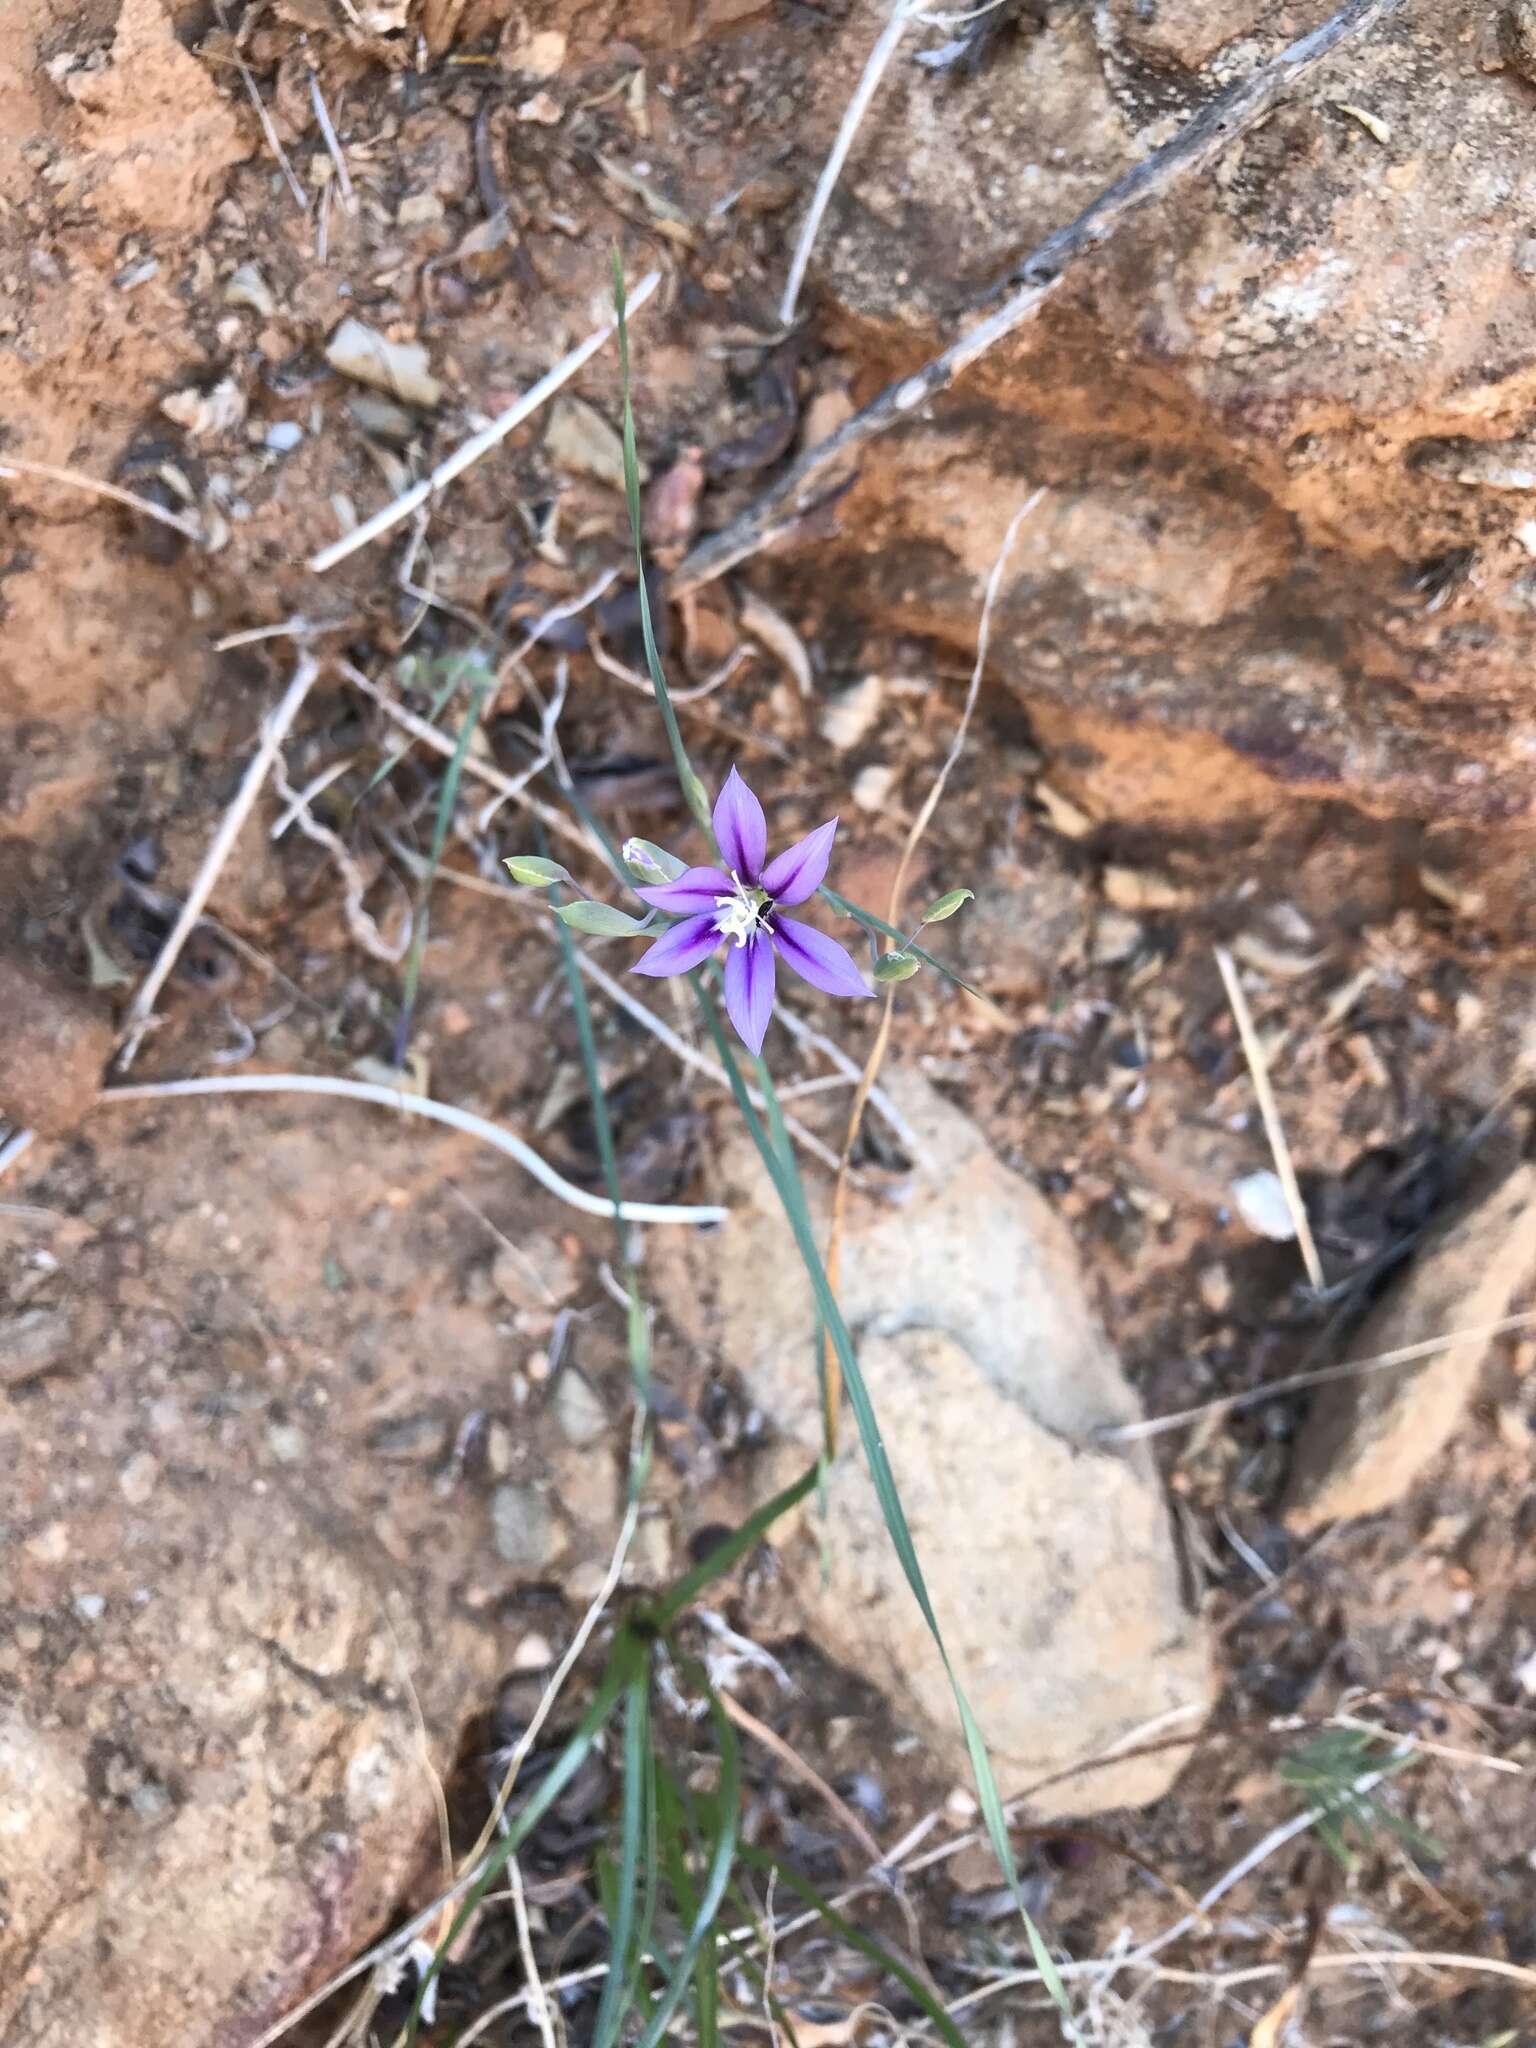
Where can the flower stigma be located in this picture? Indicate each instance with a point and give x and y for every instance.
(742, 914)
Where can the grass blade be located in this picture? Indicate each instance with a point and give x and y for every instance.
(615, 1999)
(692, 788)
(871, 923)
(728, 1552)
(886, 1492)
(446, 797)
(716, 1878)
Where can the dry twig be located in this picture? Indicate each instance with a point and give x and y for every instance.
(438, 1112)
(179, 522)
(1319, 1376)
(831, 1371)
(869, 84)
(489, 437)
(1269, 1109)
(273, 732)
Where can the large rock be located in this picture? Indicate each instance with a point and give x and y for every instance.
(1287, 550)
(1369, 1438)
(1050, 1560)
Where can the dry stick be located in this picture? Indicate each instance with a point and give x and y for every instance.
(831, 1371)
(449, 1113)
(274, 731)
(18, 1141)
(874, 70)
(332, 143)
(360, 924)
(1258, 1067)
(1028, 285)
(1319, 1376)
(769, 1739)
(180, 522)
(274, 140)
(538, 2001)
(554, 820)
(479, 444)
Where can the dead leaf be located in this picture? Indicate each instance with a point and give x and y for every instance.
(581, 440)
(759, 618)
(1270, 2031)
(206, 413)
(369, 357)
(1142, 889)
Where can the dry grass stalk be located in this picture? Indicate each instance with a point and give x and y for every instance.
(489, 437)
(1274, 1129)
(49, 472)
(869, 84)
(448, 1113)
(273, 732)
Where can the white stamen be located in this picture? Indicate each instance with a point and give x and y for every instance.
(742, 914)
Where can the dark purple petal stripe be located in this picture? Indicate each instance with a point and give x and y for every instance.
(817, 959)
(676, 951)
(797, 873)
(749, 979)
(741, 829)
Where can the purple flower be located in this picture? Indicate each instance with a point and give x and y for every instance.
(744, 902)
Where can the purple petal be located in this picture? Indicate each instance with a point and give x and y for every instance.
(741, 829)
(798, 872)
(749, 978)
(817, 959)
(679, 949)
(695, 889)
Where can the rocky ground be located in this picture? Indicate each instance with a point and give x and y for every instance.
(316, 1419)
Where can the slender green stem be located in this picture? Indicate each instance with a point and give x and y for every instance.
(692, 788)
(871, 923)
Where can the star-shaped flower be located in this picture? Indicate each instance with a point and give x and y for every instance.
(743, 902)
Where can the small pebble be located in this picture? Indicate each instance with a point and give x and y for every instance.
(287, 1442)
(283, 436)
(873, 785)
(581, 1415)
(1261, 1203)
(410, 1436)
(525, 1533)
(90, 1606)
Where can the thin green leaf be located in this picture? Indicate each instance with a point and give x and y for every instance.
(614, 2002)
(671, 1828)
(947, 905)
(886, 1491)
(897, 967)
(855, 1938)
(446, 797)
(692, 788)
(871, 923)
(599, 920)
(637, 1327)
(716, 1878)
(728, 1552)
(534, 873)
(453, 671)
